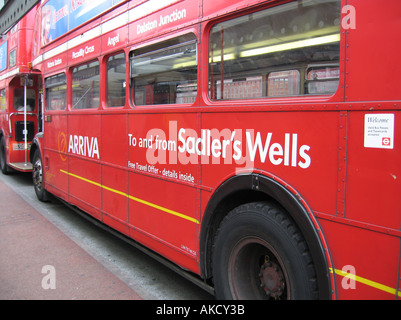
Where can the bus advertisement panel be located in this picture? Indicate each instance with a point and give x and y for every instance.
(62, 16)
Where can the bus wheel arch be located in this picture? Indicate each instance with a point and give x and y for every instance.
(257, 188)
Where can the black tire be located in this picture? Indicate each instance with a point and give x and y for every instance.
(37, 177)
(260, 254)
(3, 162)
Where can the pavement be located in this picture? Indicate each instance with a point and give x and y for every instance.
(39, 262)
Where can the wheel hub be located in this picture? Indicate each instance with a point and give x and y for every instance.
(272, 279)
(37, 175)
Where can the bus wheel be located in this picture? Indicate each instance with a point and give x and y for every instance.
(3, 163)
(260, 254)
(37, 177)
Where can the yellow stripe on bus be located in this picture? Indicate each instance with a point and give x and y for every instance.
(149, 204)
(367, 282)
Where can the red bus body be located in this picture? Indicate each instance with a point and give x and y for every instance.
(16, 47)
(167, 174)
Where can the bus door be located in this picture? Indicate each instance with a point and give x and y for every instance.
(22, 120)
(40, 104)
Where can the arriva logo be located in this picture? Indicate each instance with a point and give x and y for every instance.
(83, 146)
(62, 146)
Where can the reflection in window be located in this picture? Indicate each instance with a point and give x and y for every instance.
(269, 53)
(19, 99)
(56, 92)
(85, 86)
(116, 82)
(165, 73)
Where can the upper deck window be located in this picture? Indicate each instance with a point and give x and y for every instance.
(273, 52)
(165, 73)
(56, 92)
(116, 82)
(85, 86)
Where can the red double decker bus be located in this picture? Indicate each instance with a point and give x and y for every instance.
(251, 143)
(19, 96)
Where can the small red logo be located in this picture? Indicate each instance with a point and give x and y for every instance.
(386, 141)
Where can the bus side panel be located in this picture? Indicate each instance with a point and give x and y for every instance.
(115, 204)
(374, 171)
(84, 185)
(84, 170)
(299, 147)
(370, 256)
(219, 7)
(159, 218)
(368, 65)
(55, 154)
(114, 171)
(372, 202)
(163, 206)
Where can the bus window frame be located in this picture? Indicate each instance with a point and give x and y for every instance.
(105, 101)
(71, 91)
(158, 41)
(272, 101)
(46, 109)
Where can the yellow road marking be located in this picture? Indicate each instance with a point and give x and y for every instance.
(147, 203)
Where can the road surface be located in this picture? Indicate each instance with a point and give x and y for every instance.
(47, 251)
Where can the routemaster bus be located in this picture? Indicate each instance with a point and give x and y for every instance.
(19, 96)
(252, 144)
